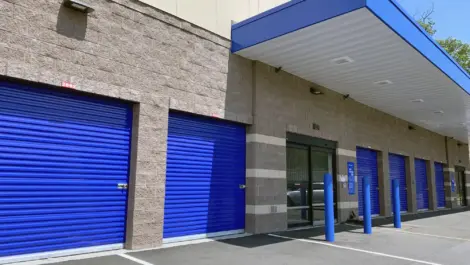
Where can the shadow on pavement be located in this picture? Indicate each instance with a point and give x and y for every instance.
(265, 240)
(415, 216)
(254, 241)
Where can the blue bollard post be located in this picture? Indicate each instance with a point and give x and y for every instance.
(367, 206)
(396, 203)
(329, 211)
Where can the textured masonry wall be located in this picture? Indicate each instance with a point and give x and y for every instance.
(282, 102)
(128, 50)
(131, 51)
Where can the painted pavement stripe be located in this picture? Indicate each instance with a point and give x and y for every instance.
(358, 250)
(143, 262)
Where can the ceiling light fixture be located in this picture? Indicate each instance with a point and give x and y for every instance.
(342, 60)
(78, 5)
(439, 112)
(418, 100)
(383, 82)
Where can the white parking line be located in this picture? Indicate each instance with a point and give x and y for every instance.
(143, 262)
(123, 251)
(422, 234)
(357, 250)
(437, 227)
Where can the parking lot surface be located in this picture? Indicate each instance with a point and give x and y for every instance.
(438, 240)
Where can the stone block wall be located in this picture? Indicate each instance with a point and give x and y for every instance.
(128, 50)
(283, 103)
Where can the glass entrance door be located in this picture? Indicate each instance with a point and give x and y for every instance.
(460, 187)
(321, 163)
(306, 166)
(298, 210)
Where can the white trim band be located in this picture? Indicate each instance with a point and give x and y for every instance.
(346, 152)
(449, 169)
(265, 139)
(266, 209)
(59, 253)
(265, 173)
(202, 236)
(467, 172)
(348, 205)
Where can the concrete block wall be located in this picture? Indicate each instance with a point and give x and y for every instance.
(282, 103)
(457, 157)
(128, 50)
(346, 201)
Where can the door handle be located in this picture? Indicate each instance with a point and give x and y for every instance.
(122, 186)
(242, 187)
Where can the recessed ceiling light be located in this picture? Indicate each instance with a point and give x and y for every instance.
(417, 100)
(383, 82)
(342, 60)
(438, 111)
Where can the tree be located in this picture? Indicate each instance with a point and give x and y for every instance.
(459, 50)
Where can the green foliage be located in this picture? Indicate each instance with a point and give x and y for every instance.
(459, 50)
(456, 48)
(428, 26)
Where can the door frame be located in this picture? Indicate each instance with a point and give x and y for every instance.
(461, 170)
(318, 144)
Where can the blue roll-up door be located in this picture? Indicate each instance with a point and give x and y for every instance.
(397, 170)
(367, 166)
(205, 168)
(440, 188)
(421, 174)
(62, 156)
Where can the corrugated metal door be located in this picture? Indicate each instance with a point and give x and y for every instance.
(367, 166)
(421, 174)
(397, 170)
(440, 187)
(204, 179)
(62, 157)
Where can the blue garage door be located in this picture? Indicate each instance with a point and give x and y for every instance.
(63, 159)
(205, 168)
(421, 174)
(440, 188)
(398, 171)
(367, 166)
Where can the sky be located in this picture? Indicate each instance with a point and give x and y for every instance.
(452, 17)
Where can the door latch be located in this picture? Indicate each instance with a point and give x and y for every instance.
(122, 186)
(242, 187)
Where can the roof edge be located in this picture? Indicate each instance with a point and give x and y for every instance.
(287, 18)
(397, 19)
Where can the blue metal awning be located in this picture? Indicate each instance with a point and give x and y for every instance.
(370, 49)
